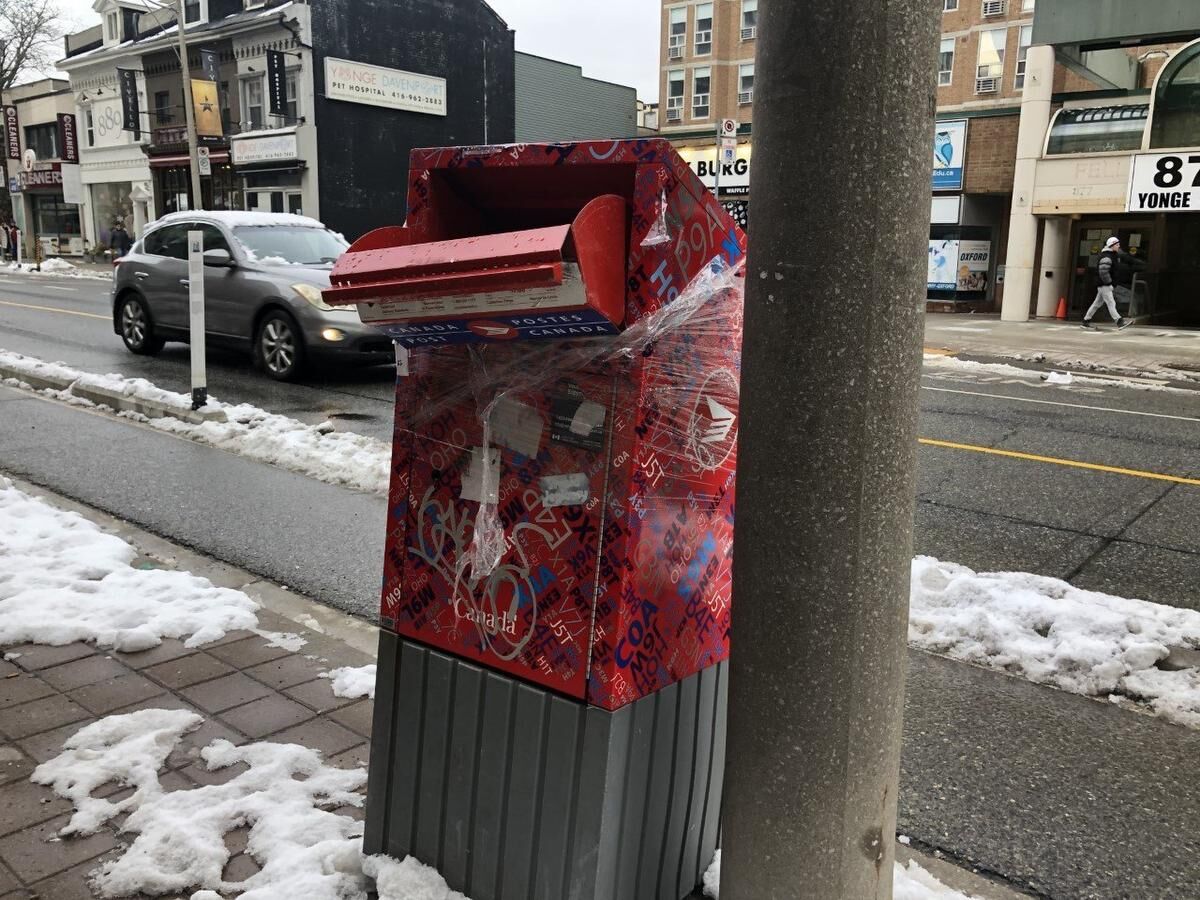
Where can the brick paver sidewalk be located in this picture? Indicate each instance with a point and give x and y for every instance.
(246, 690)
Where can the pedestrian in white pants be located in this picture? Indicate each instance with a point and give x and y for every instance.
(1106, 272)
(1104, 297)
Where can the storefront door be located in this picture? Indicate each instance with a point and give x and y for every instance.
(56, 224)
(1089, 237)
(275, 200)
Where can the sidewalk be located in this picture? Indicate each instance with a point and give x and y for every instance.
(244, 688)
(1145, 351)
(248, 690)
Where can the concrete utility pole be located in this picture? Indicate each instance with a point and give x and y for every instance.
(189, 112)
(835, 287)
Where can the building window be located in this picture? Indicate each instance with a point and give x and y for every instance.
(991, 53)
(749, 19)
(701, 87)
(252, 104)
(677, 33)
(226, 112)
(89, 127)
(162, 108)
(112, 27)
(1026, 40)
(675, 95)
(42, 140)
(949, 5)
(746, 83)
(946, 62)
(191, 11)
(1176, 113)
(704, 28)
(1028, 5)
(292, 106)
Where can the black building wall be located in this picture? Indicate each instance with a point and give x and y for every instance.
(363, 150)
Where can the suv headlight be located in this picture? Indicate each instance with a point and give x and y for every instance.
(312, 294)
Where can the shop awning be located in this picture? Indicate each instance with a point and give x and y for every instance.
(182, 159)
(261, 168)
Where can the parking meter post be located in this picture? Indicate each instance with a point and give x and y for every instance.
(832, 348)
(195, 283)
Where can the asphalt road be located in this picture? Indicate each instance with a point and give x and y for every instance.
(1060, 795)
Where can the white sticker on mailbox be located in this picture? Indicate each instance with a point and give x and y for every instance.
(482, 481)
(517, 426)
(564, 490)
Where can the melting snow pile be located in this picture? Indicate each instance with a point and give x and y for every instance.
(335, 457)
(62, 579)
(352, 682)
(57, 266)
(284, 794)
(1049, 632)
(911, 883)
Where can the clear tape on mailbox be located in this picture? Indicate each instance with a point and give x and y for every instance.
(688, 353)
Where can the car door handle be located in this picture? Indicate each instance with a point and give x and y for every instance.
(142, 274)
(185, 282)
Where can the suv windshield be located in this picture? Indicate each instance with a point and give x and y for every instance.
(295, 245)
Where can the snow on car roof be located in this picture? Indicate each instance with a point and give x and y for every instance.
(238, 219)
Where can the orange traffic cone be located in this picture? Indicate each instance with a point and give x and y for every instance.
(1062, 308)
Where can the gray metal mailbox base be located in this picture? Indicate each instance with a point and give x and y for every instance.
(516, 793)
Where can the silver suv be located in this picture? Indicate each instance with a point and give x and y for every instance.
(263, 276)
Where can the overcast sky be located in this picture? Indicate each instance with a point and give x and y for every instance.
(615, 40)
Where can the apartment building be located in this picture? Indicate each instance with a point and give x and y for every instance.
(706, 63)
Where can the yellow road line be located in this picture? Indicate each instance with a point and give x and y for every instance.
(56, 309)
(937, 351)
(1072, 463)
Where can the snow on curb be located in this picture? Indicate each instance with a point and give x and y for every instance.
(936, 361)
(62, 579)
(59, 268)
(911, 882)
(341, 458)
(1050, 632)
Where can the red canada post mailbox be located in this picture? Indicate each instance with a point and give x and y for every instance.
(560, 519)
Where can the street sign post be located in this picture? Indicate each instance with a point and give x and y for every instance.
(204, 160)
(195, 283)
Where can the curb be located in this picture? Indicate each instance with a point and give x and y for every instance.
(112, 399)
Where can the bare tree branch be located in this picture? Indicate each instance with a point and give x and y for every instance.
(30, 35)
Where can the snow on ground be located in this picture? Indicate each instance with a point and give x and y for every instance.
(911, 883)
(341, 458)
(1049, 632)
(938, 364)
(284, 794)
(62, 579)
(287, 798)
(59, 268)
(352, 682)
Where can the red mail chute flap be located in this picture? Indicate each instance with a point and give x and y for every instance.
(475, 288)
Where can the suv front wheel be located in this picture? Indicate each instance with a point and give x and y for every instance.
(137, 329)
(279, 346)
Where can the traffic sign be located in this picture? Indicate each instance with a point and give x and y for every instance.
(728, 128)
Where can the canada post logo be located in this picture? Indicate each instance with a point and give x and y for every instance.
(493, 331)
(712, 427)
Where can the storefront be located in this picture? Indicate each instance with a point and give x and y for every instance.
(170, 167)
(270, 171)
(964, 230)
(52, 222)
(733, 185)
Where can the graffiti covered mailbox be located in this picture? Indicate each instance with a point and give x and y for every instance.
(561, 500)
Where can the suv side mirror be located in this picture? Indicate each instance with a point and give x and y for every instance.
(220, 259)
